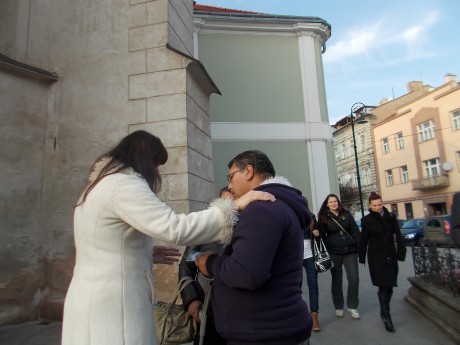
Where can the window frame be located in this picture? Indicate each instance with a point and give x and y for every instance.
(385, 146)
(404, 174)
(426, 131)
(431, 165)
(399, 141)
(389, 177)
(456, 120)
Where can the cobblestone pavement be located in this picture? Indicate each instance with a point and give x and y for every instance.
(411, 327)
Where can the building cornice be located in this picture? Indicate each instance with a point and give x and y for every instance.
(261, 24)
(275, 131)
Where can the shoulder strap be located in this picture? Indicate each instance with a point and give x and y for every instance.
(181, 286)
(341, 227)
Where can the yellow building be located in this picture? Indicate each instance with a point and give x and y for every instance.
(417, 153)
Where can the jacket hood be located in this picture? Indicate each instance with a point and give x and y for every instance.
(281, 188)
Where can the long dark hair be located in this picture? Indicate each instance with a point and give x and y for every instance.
(324, 209)
(141, 151)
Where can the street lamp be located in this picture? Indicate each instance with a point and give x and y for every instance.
(355, 108)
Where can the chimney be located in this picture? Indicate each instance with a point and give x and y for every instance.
(414, 86)
(383, 101)
(450, 77)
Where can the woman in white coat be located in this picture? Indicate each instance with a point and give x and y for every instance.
(110, 297)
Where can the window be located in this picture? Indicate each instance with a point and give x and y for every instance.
(366, 174)
(409, 211)
(352, 180)
(456, 120)
(399, 141)
(389, 176)
(342, 152)
(352, 147)
(432, 167)
(394, 209)
(404, 174)
(362, 142)
(426, 131)
(385, 146)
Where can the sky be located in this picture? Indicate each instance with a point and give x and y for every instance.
(376, 46)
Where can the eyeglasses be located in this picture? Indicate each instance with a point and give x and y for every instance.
(230, 176)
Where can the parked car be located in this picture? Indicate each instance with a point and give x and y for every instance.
(401, 222)
(437, 230)
(412, 231)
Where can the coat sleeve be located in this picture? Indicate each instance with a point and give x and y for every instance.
(400, 246)
(138, 206)
(363, 242)
(255, 240)
(188, 269)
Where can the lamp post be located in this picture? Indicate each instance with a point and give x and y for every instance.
(354, 109)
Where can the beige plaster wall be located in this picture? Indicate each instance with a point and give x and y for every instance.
(438, 106)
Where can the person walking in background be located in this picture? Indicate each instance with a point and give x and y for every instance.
(381, 239)
(257, 294)
(109, 301)
(193, 294)
(340, 233)
(310, 233)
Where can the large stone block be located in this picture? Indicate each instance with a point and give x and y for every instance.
(200, 165)
(178, 161)
(200, 190)
(167, 107)
(198, 116)
(137, 111)
(157, 11)
(439, 306)
(163, 59)
(198, 140)
(137, 15)
(157, 84)
(137, 62)
(148, 36)
(172, 133)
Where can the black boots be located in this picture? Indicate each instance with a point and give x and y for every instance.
(384, 299)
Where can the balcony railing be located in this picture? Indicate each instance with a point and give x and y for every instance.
(430, 182)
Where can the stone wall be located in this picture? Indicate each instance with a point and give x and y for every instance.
(116, 75)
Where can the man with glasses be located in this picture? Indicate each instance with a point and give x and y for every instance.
(257, 281)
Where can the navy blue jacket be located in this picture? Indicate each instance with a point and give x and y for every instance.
(257, 281)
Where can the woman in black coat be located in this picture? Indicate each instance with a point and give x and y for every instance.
(381, 238)
(340, 233)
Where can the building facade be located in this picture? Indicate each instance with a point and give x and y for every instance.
(346, 160)
(344, 147)
(269, 69)
(417, 151)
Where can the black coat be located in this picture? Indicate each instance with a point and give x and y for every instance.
(382, 236)
(335, 239)
(194, 291)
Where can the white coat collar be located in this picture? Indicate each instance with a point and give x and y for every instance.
(277, 179)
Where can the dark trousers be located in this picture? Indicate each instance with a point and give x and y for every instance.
(211, 337)
(312, 283)
(350, 262)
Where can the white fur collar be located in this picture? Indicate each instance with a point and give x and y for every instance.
(277, 179)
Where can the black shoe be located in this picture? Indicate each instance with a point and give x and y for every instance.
(388, 323)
